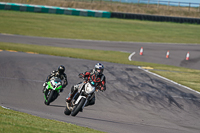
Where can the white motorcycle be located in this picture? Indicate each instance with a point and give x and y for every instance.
(84, 95)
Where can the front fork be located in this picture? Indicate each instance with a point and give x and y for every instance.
(47, 93)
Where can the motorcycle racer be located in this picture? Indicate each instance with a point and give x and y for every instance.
(96, 75)
(57, 73)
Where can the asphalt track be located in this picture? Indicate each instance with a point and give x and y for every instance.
(135, 101)
(152, 52)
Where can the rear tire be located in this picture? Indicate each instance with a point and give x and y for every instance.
(67, 111)
(78, 107)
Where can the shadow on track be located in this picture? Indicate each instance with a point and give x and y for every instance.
(58, 106)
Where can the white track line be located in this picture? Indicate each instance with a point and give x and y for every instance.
(131, 56)
(168, 80)
(5, 107)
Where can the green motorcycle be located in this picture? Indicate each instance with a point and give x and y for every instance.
(52, 90)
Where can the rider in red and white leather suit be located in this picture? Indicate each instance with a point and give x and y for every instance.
(97, 76)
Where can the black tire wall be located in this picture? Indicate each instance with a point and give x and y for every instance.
(155, 18)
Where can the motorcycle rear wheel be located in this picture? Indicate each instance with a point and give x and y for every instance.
(67, 111)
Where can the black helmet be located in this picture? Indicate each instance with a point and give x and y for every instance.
(100, 67)
(61, 69)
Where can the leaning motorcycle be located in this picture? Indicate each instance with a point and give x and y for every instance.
(52, 90)
(82, 97)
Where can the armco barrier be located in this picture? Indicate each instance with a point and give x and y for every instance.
(155, 18)
(54, 10)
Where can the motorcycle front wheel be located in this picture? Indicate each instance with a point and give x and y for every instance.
(49, 98)
(78, 107)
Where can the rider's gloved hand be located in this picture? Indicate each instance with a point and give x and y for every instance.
(102, 89)
(99, 88)
(80, 76)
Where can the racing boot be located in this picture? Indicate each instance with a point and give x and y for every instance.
(71, 94)
(69, 97)
(68, 100)
(44, 87)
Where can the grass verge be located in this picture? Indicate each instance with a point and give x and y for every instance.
(17, 122)
(77, 27)
(176, 74)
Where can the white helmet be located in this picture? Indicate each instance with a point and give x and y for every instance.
(99, 68)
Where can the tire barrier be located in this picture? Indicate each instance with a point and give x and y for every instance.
(155, 18)
(53, 10)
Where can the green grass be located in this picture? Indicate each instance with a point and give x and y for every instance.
(65, 26)
(18, 122)
(189, 78)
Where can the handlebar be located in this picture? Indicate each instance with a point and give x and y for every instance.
(94, 84)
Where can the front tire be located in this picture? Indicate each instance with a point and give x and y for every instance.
(78, 107)
(49, 98)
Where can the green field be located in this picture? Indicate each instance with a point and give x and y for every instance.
(62, 26)
(17, 122)
(65, 26)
